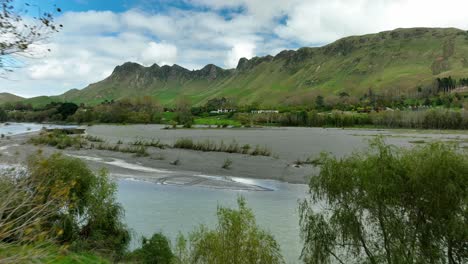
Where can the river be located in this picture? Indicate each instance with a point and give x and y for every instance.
(151, 207)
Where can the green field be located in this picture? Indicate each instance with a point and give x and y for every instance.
(216, 121)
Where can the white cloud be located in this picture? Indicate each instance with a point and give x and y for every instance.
(323, 21)
(240, 50)
(92, 43)
(159, 53)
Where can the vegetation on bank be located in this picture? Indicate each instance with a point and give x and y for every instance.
(139, 147)
(388, 205)
(233, 147)
(59, 140)
(59, 201)
(446, 111)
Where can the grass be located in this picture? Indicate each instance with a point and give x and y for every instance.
(156, 143)
(139, 151)
(58, 139)
(219, 121)
(51, 254)
(227, 164)
(308, 161)
(61, 140)
(211, 146)
(94, 138)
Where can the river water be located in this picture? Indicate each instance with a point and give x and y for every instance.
(169, 209)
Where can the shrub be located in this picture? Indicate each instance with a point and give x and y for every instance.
(156, 249)
(89, 217)
(388, 205)
(236, 239)
(58, 139)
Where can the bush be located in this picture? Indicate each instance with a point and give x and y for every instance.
(155, 250)
(388, 205)
(89, 217)
(58, 139)
(236, 239)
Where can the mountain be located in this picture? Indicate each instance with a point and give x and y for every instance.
(388, 62)
(9, 98)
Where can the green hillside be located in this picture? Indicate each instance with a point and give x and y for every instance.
(391, 62)
(9, 98)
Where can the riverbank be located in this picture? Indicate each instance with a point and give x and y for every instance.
(193, 168)
(289, 146)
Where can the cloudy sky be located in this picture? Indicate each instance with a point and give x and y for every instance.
(100, 34)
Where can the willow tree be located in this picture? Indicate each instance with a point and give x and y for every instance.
(388, 205)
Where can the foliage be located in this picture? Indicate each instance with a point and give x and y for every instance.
(139, 150)
(233, 147)
(156, 143)
(45, 253)
(94, 138)
(58, 139)
(155, 250)
(58, 202)
(219, 121)
(66, 110)
(227, 164)
(3, 115)
(19, 33)
(90, 217)
(388, 205)
(236, 239)
(183, 112)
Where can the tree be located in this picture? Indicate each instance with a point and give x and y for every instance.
(3, 115)
(184, 112)
(319, 102)
(20, 32)
(155, 250)
(89, 216)
(388, 205)
(67, 109)
(236, 239)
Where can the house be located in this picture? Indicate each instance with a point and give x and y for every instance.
(265, 112)
(222, 111)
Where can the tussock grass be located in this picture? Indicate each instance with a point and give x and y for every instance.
(58, 139)
(94, 138)
(211, 146)
(156, 143)
(227, 164)
(308, 161)
(139, 151)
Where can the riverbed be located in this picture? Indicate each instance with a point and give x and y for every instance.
(159, 196)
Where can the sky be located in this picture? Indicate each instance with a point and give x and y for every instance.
(98, 35)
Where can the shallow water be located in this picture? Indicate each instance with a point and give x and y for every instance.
(21, 128)
(287, 142)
